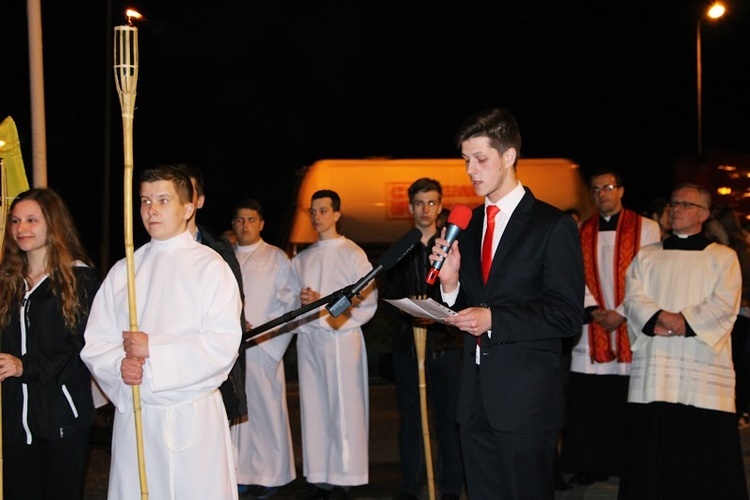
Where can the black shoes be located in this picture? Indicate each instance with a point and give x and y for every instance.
(585, 479)
(314, 493)
(405, 495)
(336, 493)
(258, 492)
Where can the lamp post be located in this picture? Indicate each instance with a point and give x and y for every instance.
(715, 11)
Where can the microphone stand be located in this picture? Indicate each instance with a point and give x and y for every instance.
(337, 302)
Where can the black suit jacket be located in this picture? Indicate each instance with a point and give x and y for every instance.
(535, 291)
(233, 389)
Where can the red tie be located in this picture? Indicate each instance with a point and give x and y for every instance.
(492, 210)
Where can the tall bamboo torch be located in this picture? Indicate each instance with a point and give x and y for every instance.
(126, 79)
(3, 217)
(420, 341)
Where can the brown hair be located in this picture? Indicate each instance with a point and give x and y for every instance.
(497, 124)
(63, 249)
(176, 174)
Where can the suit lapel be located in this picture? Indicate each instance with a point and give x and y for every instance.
(471, 244)
(517, 224)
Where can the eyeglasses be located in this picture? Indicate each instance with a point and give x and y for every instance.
(607, 188)
(685, 205)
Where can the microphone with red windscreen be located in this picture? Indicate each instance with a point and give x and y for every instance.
(457, 221)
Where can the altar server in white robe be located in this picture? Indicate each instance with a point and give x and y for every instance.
(188, 308)
(331, 355)
(265, 454)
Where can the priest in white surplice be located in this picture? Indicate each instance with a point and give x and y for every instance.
(600, 359)
(188, 308)
(681, 300)
(331, 355)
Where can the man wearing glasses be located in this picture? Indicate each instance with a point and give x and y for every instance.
(600, 360)
(681, 301)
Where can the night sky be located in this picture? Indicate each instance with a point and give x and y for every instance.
(249, 90)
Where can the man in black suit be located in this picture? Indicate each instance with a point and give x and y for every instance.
(511, 402)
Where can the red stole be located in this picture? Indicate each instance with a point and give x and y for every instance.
(627, 240)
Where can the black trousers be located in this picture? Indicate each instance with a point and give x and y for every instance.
(46, 470)
(506, 465)
(594, 433)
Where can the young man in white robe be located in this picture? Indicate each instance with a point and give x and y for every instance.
(331, 356)
(188, 308)
(265, 453)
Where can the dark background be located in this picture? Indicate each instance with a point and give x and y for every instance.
(252, 91)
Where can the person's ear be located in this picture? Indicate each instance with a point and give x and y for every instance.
(189, 210)
(705, 215)
(509, 156)
(200, 201)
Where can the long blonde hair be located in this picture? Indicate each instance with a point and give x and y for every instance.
(63, 249)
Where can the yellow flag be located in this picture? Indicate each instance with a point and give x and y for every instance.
(13, 170)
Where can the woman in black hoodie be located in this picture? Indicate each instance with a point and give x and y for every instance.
(47, 284)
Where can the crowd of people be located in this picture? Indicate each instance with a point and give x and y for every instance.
(581, 349)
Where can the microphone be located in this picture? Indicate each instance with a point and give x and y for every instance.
(390, 258)
(398, 250)
(458, 220)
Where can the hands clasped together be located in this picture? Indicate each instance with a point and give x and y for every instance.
(670, 324)
(608, 319)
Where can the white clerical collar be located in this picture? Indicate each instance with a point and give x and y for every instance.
(174, 241)
(248, 248)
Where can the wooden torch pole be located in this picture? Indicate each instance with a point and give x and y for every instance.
(3, 217)
(126, 78)
(420, 342)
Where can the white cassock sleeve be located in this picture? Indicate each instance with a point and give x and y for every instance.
(188, 303)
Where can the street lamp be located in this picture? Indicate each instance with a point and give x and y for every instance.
(715, 11)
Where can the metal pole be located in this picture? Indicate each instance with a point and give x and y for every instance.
(699, 74)
(716, 11)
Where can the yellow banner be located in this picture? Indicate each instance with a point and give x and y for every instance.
(10, 152)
